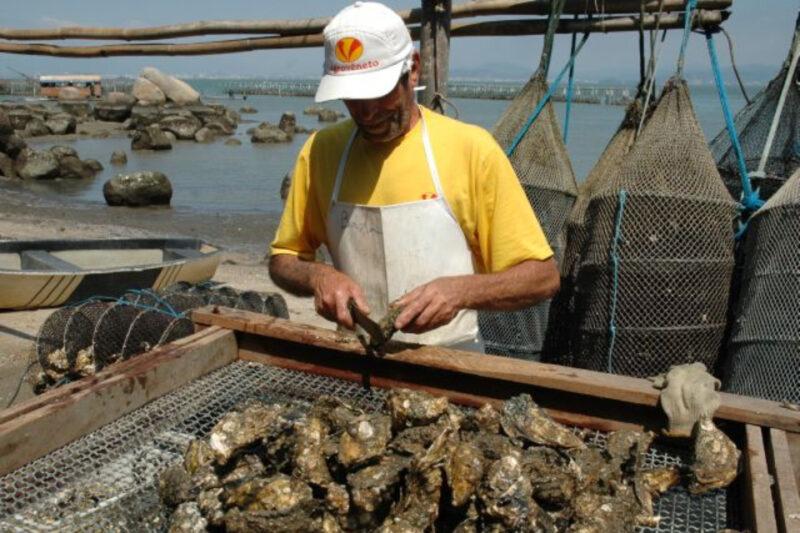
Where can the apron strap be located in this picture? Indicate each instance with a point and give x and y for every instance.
(337, 184)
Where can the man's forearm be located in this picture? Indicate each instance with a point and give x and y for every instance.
(294, 275)
(522, 285)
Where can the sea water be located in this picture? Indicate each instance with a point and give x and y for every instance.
(246, 179)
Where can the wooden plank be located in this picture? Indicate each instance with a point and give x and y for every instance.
(60, 416)
(456, 396)
(584, 382)
(759, 507)
(794, 452)
(786, 493)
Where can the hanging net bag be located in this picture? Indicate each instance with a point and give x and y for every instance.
(765, 334)
(770, 159)
(542, 164)
(653, 283)
(562, 310)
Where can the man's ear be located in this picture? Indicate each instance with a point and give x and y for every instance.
(416, 68)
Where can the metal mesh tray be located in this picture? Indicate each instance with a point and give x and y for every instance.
(105, 481)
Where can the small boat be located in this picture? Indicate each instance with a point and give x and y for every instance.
(50, 273)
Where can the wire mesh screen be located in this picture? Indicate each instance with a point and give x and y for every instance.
(653, 281)
(106, 480)
(545, 172)
(559, 335)
(765, 335)
(753, 124)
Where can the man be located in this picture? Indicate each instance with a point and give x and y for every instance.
(413, 206)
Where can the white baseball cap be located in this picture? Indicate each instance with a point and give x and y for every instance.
(367, 49)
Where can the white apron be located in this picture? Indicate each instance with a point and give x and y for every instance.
(391, 250)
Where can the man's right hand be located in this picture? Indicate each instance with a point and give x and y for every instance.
(332, 291)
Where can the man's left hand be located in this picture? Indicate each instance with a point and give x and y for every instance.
(431, 305)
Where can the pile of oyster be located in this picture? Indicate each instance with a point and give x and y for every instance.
(423, 465)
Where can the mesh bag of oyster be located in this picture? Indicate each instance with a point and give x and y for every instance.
(77, 341)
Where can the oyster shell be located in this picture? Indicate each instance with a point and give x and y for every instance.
(552, 476)
(187, 519)
(628, 448)
(492, 446)
(650, 484)
(337, 499)
(198, 454)
(523, 419)
(464, 469)
(593, 469)
(334, 412)
(414, 440)
(278, 503)
(505, 494)
(375, 486)
(210, 506)
(486, 420)
(175, 486)
(239, 429)
(603, 513)
(309, 459)
(716, 459)
(414, 408)
(244, 467)
(364, 439)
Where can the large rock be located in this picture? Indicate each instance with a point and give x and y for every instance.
(313, 110)
(120, 98)
(138, 189)
(12, 145)
(176, 90)
(142, 116)
(5, 124)
(70, 94)
(119, 157)
(288, 123)
(147, 92)
(182, 126)
(19, 118)
(7, 166)
(35, 128)
(150, 138)
(79, 110)
(221, 126)
(61, 124)
(248, 109)
(112, 112)
(61, 151)
(93, 164)
(72, 168)
(205, 135)
(329, 115)
(206, 112)
(34, 165)
(267, 133)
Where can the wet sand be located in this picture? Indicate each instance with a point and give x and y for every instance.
(243, 238)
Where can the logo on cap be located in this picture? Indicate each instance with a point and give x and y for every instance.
(348, 49)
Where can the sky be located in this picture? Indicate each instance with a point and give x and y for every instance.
(761, 30)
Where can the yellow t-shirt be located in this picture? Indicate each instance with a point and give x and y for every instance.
(477, 180)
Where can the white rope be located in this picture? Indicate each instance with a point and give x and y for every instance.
(762, 165)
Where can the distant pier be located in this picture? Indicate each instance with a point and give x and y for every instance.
(582, 93)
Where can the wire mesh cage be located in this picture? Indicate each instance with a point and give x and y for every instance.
(545, 172)
(653, 281)
(559, 332)
(764, 347)
(753, 126)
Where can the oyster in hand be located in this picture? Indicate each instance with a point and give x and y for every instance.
(364, 439)
(414, 408)
(716, 459)
(522, 418)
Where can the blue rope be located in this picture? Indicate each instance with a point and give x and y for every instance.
(750, 200)
(570, 85)
(687, 23)
(614, 258)
(546, 98)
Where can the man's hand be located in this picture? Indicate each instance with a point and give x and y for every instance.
(431, 305)
(332, 291)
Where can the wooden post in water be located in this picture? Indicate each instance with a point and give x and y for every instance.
(434, 41)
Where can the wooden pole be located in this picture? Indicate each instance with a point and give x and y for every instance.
(427, 52)
(480, 29)
(434, 39)
(315, 25)
(443, 10)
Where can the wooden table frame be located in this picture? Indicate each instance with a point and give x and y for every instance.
(767, 433)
